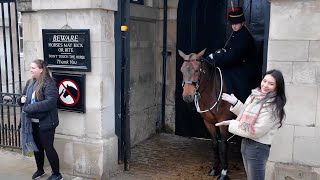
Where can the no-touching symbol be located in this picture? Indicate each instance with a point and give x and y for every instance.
(69, 92)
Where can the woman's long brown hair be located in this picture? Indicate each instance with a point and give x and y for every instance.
(43, 76)
(280, 99)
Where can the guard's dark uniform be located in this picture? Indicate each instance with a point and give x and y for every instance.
(240, 68)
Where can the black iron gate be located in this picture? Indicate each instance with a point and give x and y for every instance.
(10, 75)
(202, 24)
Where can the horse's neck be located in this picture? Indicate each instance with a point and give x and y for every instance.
(209, 86)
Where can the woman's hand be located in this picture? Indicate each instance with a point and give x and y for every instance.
(23, 99)
(229, 98)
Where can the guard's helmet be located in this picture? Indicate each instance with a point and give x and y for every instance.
(236, 15)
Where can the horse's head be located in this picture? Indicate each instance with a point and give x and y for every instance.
(191, 70)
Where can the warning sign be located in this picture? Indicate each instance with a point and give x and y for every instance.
(71, 91)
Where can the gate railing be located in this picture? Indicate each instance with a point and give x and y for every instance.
(10, 75)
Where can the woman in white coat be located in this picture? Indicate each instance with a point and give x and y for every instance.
(257, 121)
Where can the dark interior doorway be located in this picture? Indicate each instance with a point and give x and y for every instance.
(202, 24)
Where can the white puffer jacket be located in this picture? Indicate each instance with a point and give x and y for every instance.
(265, 127)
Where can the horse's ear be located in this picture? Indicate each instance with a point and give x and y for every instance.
(182, 54)
(200, 54)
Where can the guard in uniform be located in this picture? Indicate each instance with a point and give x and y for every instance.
(241, 69)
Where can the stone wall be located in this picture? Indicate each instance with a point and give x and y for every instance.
(146, 43)
(171, 63)
(294, 43)
(142, 103)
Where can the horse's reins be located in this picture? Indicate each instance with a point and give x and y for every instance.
(203, 71)
(197, 96)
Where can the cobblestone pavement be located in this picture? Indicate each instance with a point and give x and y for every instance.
(170, 157)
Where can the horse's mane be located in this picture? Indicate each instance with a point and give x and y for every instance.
(206, 65)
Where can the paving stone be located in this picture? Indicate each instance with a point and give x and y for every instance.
(171, 157)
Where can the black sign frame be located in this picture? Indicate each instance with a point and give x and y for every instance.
(64, 52)
(79, 80)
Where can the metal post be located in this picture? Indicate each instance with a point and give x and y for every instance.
(122, 67)
(125, 78)
(164, 64)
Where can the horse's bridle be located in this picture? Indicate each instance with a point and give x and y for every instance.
(196, 85)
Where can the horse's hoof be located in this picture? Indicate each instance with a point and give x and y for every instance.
(223, 177)
(213, 172)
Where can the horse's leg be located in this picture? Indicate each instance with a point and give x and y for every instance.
(224, 152)
(214, 139)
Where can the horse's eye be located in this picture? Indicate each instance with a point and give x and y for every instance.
(196, 71)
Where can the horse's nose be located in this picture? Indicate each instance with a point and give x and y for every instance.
(188, 98)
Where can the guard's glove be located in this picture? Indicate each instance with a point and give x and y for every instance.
(222, 50)
(211, 58)
(229, 98)
(223, 123)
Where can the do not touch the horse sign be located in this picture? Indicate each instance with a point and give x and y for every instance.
(71, 91)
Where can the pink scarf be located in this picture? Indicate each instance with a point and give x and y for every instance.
(253, 106)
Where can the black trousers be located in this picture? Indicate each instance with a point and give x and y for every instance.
(44, 141)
